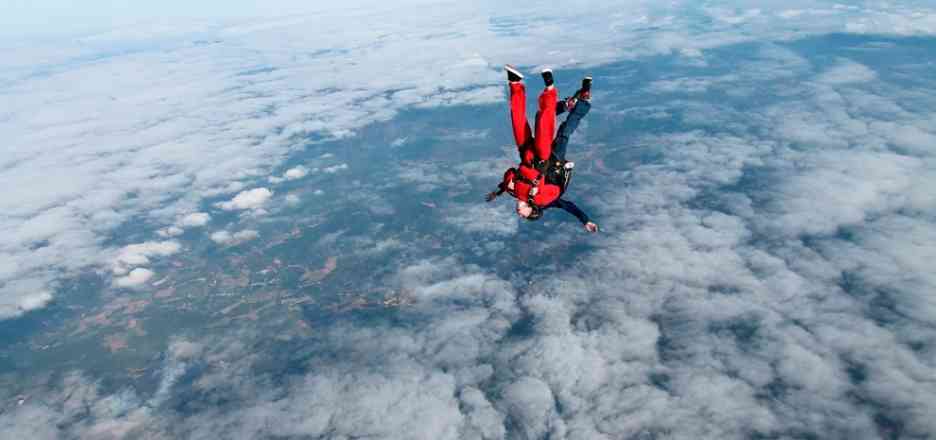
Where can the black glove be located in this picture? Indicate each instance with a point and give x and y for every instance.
(490, 196)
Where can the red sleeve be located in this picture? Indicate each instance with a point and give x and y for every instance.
(545, 123)
(547, 194)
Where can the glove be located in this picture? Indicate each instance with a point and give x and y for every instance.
(490, 196)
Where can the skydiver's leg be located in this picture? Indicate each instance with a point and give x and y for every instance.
(568, 127)
(545, 119)
(521, 128)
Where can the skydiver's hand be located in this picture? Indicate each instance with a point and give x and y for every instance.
(591, 227)
(490, 196)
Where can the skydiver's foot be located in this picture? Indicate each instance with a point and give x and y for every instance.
(569, 165)
(513, 75)
(547, 77)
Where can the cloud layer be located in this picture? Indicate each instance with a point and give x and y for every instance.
(763, 269)
(157, 124)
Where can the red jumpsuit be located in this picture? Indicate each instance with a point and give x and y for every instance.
(530, 146)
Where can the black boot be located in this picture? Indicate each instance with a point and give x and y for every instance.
(585, 92)
(513, 75)
(547, 77)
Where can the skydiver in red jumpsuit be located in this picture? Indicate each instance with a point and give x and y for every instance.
(527, 182)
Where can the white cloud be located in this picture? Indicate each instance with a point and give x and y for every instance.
(338, 398)
(136, 278)
(766, 269)
(480, 96)
(293, 200)
(222, 237)
(829, 190)
(847, 71)
(683, 85)
(194, 220)
(184, 350)
(335, 168)
(249, 199)
(228, 239)
(296, 173)
(206, 122)
(139, 254)
(254, 213)
(171, 231)
(484, 219)
(26, 295)
(247, 234)
(691, 52)
(530, 402)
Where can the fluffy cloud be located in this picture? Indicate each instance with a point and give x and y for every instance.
(296, 173)
(846, 72)
(171, 231)
(185, 350)
(228, 239)
(27, 295)
(335, 168)
(80, 175)
(139, 254)
(483, 219)
(429, 377)
(136, 278)
(761, 273)
(194, 220)
(249, 199)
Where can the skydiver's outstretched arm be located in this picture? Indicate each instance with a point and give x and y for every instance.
(494, 194)
(571, 208)
(504, 185)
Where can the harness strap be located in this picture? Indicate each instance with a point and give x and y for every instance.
(542, 170)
